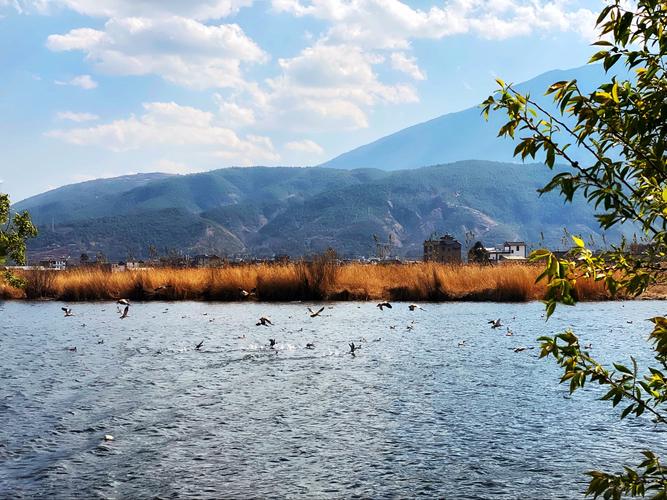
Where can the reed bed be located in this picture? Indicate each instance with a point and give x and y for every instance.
(322, 279)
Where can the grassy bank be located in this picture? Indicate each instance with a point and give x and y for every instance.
(320, 280)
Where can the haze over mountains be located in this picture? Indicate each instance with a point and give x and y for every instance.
(264, 211)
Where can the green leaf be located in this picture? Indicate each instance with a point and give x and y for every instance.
(622, 368)
(551, 307)
(627, 411)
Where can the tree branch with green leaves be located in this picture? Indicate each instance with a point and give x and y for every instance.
(621, 128)
(14, 231)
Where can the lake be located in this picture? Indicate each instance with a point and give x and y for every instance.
(412, 414)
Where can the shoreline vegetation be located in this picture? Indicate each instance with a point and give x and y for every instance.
(318, 280)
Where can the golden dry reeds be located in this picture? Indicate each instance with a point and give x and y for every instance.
(321, 279)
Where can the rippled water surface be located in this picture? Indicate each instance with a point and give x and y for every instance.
(412, 414)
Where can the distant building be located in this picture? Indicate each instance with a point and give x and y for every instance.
(444, 249)
(118, 268)
(55, 264)
(509, 251)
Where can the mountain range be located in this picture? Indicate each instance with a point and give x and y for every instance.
(375, 190)
(462, 135)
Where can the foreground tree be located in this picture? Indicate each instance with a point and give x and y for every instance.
(478, 254)
(14, 230)
(622, 126)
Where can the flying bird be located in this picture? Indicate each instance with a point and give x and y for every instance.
(162, 287)
(198, 346)
(310, 346)
(125, 312)
(68, 311)
(314, 314)
(272, 343)
(245, 293)
(412, 307)
(495, 323)
(263, 321)
(123, 302)
(522, 348)
(381, 305)
(353, 347)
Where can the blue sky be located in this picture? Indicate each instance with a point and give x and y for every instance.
(99, 88)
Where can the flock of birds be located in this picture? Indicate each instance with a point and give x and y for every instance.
(123, 309)
(266, 322)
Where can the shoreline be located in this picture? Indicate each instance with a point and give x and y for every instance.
(322, 280)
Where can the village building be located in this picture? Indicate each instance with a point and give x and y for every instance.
(118, 268)
(130, 265)
(57, 264)
(510, 251)
(445, 249)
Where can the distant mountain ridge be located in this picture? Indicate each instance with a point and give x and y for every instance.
(263, 211)
(459, 136)
(382, 189)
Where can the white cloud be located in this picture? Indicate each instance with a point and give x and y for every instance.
(232, 114)
(334, 81)
(86, 82)
(76, 117)
(167, 124)
(322, 88)
(196, 9)
(407, 64)
(391, 24)
(253, 150)
(335, 85)
(182, 51)
(305, 146)
(77, 39)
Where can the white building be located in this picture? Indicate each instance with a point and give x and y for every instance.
(509, 251)
(59, 264)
